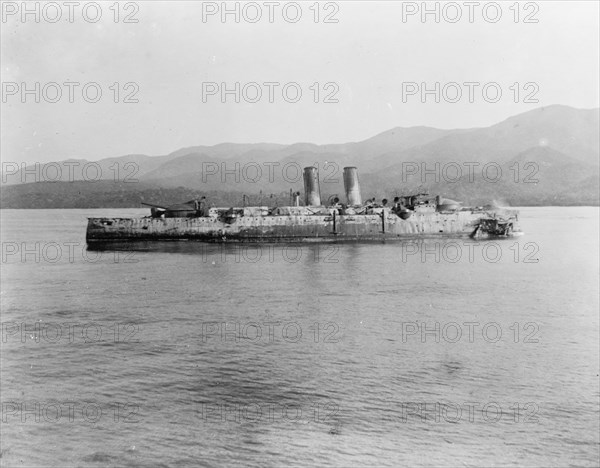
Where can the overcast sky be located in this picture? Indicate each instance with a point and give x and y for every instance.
(368, 55)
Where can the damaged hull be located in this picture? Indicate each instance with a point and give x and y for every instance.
(297, 228)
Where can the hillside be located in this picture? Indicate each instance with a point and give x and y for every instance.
(547, 156)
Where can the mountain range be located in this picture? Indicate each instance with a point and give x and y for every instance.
(547, 156)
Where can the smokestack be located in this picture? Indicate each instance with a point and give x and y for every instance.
(351, 186)
(311, 186)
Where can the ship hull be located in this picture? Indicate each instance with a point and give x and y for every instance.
(299, 228)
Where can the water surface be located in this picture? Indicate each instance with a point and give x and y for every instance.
(202, 355)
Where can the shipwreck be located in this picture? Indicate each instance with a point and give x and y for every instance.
(414, 216)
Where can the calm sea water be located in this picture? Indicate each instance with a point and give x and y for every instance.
(443, 353)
